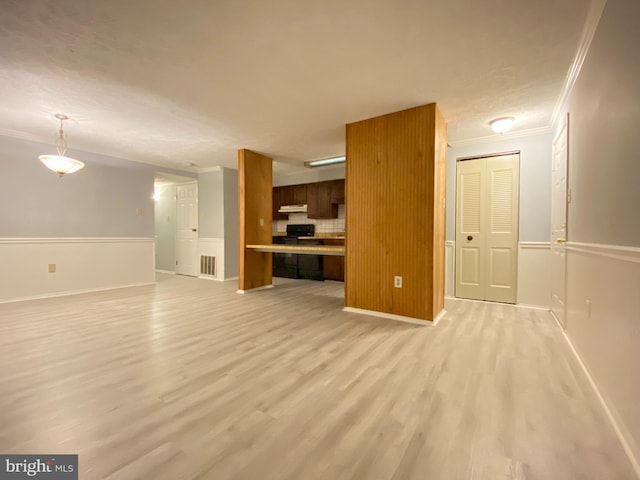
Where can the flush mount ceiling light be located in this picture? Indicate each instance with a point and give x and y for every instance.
(502, 124)
(59, 163)
(325, 161)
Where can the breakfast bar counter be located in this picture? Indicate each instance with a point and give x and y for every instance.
(300, 249)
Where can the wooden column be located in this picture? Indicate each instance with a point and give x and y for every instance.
(254, 196)
(395, 218)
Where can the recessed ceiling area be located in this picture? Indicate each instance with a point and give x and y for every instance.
(173, 83)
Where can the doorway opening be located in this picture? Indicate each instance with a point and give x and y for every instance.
(487, 206)
(176, 227)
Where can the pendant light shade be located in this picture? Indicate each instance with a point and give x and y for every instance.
(59, 163)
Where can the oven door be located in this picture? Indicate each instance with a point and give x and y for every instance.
(310, 266)
(285, 264)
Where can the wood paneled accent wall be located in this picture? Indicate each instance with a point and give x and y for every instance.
(254, 196)
(395, 218)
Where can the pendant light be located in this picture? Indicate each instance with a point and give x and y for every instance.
(59, 163)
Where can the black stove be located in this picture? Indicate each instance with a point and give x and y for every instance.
(292, 265)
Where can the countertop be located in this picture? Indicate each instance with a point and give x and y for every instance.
(300, 249)
(319, 236)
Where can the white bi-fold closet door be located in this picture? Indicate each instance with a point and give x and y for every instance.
(487, 228)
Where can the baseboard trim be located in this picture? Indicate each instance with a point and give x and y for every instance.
(217, 279)
(264, 287)
(517, 305)
(621, 437)
(74, 292)
(442, 313)
(390, 316)
(533, 307)
(168, 272)
(209, 277)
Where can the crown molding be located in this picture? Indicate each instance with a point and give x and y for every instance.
(531, 132)
(217, 168)
(588, 32)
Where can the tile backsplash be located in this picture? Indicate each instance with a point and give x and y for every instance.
(322, 226)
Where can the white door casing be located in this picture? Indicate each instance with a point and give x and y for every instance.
(559, 222)
(187, 229)
(487, 228)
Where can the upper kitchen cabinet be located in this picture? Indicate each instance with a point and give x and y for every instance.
(319, 201)
(322, 198)
(286, 195)
(299, 193)
(281, 196)
(337, 191)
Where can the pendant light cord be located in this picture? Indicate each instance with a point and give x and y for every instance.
(61, 142)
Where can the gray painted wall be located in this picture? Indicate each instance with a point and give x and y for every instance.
(98, 201)
(604, 148)
(211, 204)
(231, 223)
(535, 183)
(218, 213)
(165, 227)
(313, 175)
(604, 168)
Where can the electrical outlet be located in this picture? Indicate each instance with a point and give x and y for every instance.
(52, 268)
(397, 282)
(138, 212)
(588, 309)
(262, 222)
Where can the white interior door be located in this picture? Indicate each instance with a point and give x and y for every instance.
(559, 223)
(487, 228)
(469, 232)
(187, 229)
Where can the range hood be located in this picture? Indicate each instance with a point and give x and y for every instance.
(293, 208)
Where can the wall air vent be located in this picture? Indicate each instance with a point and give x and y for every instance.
(208, 265)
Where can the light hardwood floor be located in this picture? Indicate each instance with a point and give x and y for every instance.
(188, 380)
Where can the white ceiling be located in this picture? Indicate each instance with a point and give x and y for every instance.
(174, 83)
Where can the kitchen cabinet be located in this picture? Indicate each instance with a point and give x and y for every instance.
(319, 201)
(322, 198)
(281, 196)
(337, 191)
(275, 205)
(333, 266)
(286, 195)
(299, 194)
